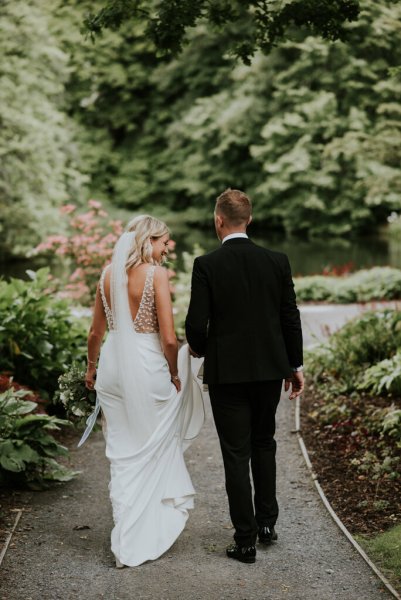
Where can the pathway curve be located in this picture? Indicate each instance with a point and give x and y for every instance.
(50, 560)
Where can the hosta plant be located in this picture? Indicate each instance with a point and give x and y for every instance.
(39, 336)
(28, 450)
(384, 377)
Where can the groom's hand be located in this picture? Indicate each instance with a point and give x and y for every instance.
(297, 384)
(193, 353)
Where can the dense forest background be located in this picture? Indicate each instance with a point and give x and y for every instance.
(312, 130)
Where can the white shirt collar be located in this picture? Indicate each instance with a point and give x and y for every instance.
(232, 236)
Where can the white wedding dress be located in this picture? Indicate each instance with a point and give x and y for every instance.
(148, 424)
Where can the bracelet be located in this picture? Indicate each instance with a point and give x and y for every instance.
(175, 378)
(91, 362)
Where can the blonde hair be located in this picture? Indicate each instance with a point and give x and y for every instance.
(235, 206)
(145, 227)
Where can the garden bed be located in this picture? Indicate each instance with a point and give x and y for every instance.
(367, 503)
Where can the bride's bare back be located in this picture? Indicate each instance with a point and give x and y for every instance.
(149, 300)
(141, 296)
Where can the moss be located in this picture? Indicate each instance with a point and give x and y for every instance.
(385, 550)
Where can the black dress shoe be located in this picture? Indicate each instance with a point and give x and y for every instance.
(267, 535)
(245, 554)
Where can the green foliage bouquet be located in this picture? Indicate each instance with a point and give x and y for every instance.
(77, 400)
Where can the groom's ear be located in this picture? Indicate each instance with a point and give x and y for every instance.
(249, 221)
(219, 220)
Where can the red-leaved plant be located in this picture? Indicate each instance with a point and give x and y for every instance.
(339, 270)
(7, 382)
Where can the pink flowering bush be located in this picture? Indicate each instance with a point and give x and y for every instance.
(87, 247)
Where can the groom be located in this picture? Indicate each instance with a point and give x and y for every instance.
(244, 320)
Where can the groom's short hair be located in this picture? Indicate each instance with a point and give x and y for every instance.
(235, 206)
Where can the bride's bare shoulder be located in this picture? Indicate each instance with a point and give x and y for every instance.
(161, 275)
(137, 272)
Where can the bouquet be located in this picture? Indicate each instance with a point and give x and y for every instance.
(78, 401)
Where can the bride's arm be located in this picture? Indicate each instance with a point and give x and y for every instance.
(95, 337)
(165, 318)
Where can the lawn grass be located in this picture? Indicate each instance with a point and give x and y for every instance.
(385, 551)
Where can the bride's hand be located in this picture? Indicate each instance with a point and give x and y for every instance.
(90, 378)
(177, 382)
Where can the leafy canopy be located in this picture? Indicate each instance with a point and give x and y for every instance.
(266, 21)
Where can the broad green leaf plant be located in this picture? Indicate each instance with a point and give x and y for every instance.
(28, 450)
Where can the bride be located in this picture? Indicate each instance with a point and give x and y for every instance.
(151, 401)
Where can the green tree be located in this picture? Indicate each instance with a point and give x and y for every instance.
(37, 148)
(312, 131)
(124, 97)
(109, 94)
(331, 146)
(251, 24)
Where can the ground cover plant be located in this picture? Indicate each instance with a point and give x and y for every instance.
(352, 421)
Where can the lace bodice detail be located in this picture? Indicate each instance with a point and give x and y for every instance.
(146, 318)
(107, 309)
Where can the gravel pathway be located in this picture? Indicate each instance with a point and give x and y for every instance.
(50, 560)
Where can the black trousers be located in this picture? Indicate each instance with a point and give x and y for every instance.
(244, 414)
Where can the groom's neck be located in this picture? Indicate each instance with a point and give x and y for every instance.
(224, 232)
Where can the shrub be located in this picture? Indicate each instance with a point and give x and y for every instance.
(384, 377)
(359, 345)
(27, 448)
(394, 226)
(379, 283)
(182, 289)
(39, 337)
(86, 248)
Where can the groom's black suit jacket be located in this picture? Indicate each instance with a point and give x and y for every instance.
(243, 315)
